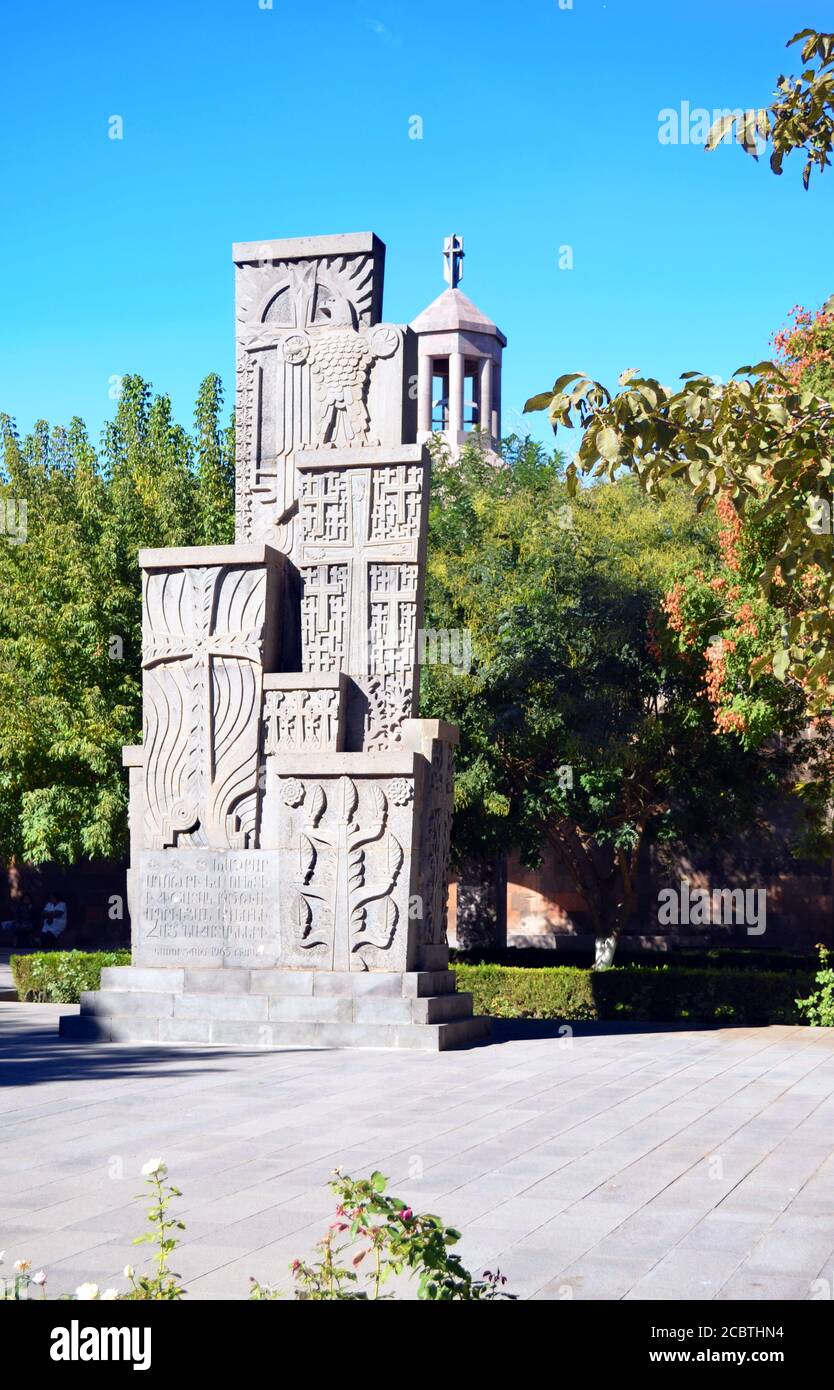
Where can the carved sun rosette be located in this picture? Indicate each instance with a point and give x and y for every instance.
(292, 791)
(335, 889)
(401, 791)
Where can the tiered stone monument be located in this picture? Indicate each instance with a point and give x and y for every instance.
(289, 815)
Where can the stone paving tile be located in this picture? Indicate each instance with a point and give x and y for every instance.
(793, 1246)
(519, 1216)
(588, 1171)
(774, 1286)
(47, 1248)
(725, 1232)
(686, 1275)
(597, 1277)
(647, 1231)
(102, 1209)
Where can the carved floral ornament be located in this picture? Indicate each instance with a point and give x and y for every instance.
(338, 881)
(292, 791)
(401, 791)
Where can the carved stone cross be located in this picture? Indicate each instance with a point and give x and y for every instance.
(396, 486)
(322, 591)
(453, 254)
(197, 650)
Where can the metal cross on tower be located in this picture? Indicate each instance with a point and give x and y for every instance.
(453, 254)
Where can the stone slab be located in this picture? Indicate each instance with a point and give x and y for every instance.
(441, 1008)
(207, 908)
(358, 982)
(229, 980)
(386, 456)
(311, 1009)
(157, 979)
(379, 1009)
(282, 981)
(300, 247)
(245, 1007)
(192, 1030)
(127, 1003)
(183, 556)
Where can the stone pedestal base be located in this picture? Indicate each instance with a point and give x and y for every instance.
(277, 1008)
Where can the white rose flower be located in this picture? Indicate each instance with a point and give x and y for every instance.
(39, 1278)
(109, 1295)
(155, 1168)
(129, 1271)
(86, 1293)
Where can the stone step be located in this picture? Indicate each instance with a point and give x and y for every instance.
(126, 1003)
(431, 1037)
(156, 978)
(352, 1009)
(231, 980)
(442, 1008)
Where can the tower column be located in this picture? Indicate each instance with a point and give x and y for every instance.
(496, 404)
(485, 414)
(456, 369)
(424, 376)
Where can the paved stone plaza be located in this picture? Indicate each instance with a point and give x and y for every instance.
(620, 1163)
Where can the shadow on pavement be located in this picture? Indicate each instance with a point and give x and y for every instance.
(521, 1029)
(33, 1054)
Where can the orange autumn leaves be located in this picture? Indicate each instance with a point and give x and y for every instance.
(713, 616)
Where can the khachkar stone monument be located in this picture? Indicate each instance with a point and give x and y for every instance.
(289, 815)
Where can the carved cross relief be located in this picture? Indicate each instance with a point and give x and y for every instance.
(201, 677)
(358, 558)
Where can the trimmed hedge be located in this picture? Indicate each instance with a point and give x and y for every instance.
(633, 993)
(58, 977)
(686, 957)
(630, 993)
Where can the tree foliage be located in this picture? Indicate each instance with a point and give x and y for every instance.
(585, 725)
(762, 448)
(759, 440)
(800, 116)
(70, 619)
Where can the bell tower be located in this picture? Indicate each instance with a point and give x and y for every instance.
(458, 362)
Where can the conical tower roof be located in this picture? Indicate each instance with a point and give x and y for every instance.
(453, 311)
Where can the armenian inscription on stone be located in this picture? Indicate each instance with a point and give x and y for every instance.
(208, 907)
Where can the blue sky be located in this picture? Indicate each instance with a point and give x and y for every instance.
(540, 130)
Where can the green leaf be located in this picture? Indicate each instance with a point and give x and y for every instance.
(781, 664)
(539, 402)
(562, 381)
(608, 443)
(719, 129)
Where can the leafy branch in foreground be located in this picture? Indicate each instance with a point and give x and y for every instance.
(800, 117)
(761, 440)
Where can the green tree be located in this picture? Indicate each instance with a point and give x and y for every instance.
(70, 618)
(584, 725)
(215, 460)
